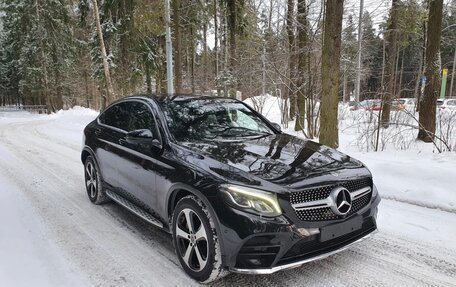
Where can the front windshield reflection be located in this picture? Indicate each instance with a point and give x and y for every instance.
(209, 119)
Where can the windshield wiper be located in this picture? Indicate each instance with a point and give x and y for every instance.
(245, 129)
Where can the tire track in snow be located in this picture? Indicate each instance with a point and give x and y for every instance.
(420, 204)
(55, 204)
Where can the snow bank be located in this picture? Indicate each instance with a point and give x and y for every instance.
(268, 105)
(76, 116)
(68, 124)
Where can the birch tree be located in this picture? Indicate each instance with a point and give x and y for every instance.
(109, 90)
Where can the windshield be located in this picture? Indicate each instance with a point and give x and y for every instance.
(193, 120)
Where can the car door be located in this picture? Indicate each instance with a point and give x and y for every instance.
(138, 165)
(111, 129)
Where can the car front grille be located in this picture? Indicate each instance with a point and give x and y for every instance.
(319, 193)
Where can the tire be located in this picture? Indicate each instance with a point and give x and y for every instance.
(93, 182)
(197, 245)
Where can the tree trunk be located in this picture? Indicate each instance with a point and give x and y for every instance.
(205, 65)
(418, 79)
(216, 49)
(148, 79)
(109, 90)
(423, 64)
(302, 56)
(192, 59)
(232, 15)
(451, 93)
(290, 94)
(432, 88)
(390, 69)
(232, 31)
(47, 96)
(330, 73)
(177, 47)
(401, 73)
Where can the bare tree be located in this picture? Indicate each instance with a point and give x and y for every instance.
(302, 61)
(290, 94)
(390, 69)
(109, 90)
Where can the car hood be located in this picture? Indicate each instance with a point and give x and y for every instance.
(279, 159)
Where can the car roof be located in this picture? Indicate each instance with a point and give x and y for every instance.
(176, 98)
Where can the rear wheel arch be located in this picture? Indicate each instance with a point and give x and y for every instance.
(86, 152)
(84, 155)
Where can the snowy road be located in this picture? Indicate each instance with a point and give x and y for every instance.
(107, 246)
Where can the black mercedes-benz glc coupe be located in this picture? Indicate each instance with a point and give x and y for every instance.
(235, 192)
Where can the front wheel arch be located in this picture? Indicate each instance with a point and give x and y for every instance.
(208, 272)
(178, 192)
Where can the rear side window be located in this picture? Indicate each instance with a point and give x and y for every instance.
(116, 116)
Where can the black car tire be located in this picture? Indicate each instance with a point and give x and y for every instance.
(94, 182)
(207, 246)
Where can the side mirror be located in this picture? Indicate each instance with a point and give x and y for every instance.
(277, 126)
(138, 137)
(144, 137)
(156, 145)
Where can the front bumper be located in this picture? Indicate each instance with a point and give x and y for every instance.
(255, 245)
(300, 262)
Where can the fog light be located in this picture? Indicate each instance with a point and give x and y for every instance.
(255, 262)
(307, 231)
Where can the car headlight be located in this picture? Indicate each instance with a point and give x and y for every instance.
(252, 200)
(374, 192)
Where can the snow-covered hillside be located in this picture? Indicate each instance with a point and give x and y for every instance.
(51, 235)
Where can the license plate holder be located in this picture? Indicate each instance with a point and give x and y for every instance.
(340, 229)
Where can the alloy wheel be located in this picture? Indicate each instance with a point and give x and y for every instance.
(191, 236)
(91, 179)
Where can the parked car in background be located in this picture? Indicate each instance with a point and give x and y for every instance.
(406, 103)
(376, 105)
(370, 105)
(439, 103)
(447, 104)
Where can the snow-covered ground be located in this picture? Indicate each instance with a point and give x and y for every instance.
(51, 235)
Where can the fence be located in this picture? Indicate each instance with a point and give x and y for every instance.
(40, 109)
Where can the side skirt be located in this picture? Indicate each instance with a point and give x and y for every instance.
(134, 208)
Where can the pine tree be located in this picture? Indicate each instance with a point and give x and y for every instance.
(390, 69)
(39, 47)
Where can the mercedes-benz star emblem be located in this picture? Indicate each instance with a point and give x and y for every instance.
(342, 201)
